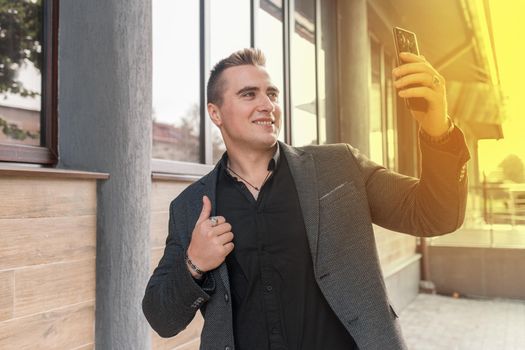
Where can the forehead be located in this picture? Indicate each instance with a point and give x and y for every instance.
(237, 77)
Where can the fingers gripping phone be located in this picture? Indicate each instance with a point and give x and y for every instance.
(406, 41)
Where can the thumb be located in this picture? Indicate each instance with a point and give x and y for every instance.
(206, 209)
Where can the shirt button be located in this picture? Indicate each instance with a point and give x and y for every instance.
(227, 348)
(269, 288)
(226, 297)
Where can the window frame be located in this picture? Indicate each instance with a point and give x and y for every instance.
(47, 153)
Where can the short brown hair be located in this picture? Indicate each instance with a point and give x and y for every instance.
(242, 57)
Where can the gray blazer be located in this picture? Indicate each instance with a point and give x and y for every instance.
(341, 194)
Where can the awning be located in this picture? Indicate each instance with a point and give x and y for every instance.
(479, 105)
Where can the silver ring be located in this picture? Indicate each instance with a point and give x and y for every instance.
(214, 220)
(435, 81)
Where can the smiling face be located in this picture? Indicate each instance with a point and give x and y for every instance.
(249, 116)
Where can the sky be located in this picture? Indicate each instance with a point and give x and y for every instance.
(509, 38)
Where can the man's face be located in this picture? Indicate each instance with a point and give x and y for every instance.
(250, 116)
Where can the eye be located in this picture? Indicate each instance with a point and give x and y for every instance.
(250, 94)
(273, 95)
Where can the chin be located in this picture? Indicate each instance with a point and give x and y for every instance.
(267, 142)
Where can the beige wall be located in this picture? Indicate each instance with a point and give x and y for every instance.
(47, 263)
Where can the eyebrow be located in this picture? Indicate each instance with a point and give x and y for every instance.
(247, 89)
(273, 89)
(255, 88)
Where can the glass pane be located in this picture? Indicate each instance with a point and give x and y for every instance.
(304, 99)
(327, 73)
(21, 28)
(321, 76)
(269, 35)
(176, 101)
(376, 134)
(390, 115)
(226, 36)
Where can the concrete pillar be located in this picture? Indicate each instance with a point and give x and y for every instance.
(105, 125)
(354, 58)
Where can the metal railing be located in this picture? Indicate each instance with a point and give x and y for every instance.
(502, 203)
(495, 218)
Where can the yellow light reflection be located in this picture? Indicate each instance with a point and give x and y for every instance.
(509, 39)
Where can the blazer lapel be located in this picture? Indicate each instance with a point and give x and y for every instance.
(210, 185)
(303, 171)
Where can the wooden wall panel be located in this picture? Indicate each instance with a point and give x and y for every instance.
(6, 295)
(46, 287)
(163, 192)
(37, 197)
(190, 334)
(34, 241)
(393, 247)
(156, 255)
(66, 328)
(47, 263)
(159, 228)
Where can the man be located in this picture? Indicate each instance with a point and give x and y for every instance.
(275, 246)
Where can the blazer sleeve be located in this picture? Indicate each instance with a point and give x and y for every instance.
(429, 206)
(172, 296)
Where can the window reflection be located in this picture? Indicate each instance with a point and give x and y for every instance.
(304, 99)
(21, 62)
(269, 34)
(226, 36)
(176, 115)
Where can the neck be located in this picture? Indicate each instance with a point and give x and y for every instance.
(251, 163)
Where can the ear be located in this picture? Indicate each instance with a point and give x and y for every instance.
(215, 114)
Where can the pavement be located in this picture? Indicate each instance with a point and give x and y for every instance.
(434, 322)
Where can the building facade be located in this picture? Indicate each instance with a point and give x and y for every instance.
(112, 126)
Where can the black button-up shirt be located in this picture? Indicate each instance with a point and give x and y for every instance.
(276, 301)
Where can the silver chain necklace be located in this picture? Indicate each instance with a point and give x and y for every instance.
(258, 189)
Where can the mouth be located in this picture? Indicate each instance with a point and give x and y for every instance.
(264, 122)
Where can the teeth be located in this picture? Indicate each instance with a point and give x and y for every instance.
(263, 123)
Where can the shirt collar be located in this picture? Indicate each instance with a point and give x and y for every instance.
(272, 165)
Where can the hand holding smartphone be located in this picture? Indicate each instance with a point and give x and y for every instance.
(406, 41)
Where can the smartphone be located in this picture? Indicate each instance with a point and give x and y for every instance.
(406, 41)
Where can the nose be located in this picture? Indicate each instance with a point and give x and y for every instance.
(266, 104)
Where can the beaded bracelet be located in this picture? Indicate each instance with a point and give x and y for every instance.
(438, 140)
(193, 266)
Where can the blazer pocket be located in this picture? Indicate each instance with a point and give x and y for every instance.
(393, 312)
(337, 192)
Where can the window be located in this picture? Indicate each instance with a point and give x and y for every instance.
(28, 81)
(383, 140)
(176, 88)
(376, 105)
(226, 37)
(303, 70)
(269, 38)
(190, 37)
(391, 125)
